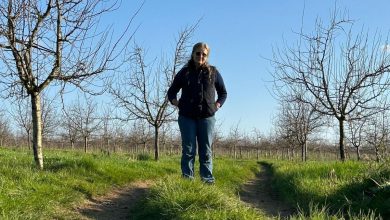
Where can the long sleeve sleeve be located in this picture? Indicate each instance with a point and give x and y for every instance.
(221, 89)
(175, 87)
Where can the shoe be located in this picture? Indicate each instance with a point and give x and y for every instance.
(209, 182)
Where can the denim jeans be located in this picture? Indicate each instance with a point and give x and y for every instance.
(195, 131)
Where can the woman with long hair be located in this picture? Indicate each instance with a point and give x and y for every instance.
(198, 82)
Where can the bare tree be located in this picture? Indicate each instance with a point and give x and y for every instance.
(299, 120)
(257, 137)
(217, 135)
(166, 135)
(356, 134)
(5, 131)
(107, 128)
(69, 128)
(42, 42)
(140, 135)
(49, 116)
(142, 94)
(235, 137)
(22, 115)
(346, 74)
(285, 130)
(377, 134)
(84, 118)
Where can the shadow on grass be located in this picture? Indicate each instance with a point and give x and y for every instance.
(58, 164)
(260, 194)
(359, 197)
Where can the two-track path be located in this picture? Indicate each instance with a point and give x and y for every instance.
(117, 204)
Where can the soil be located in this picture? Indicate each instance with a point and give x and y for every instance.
(117, 204)
(259, 194)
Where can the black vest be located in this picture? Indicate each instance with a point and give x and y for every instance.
(198, 93)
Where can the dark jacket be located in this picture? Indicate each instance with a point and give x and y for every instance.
(198, 87)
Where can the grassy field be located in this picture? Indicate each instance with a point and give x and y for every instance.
(356, 190)
(71, 177)
(322, 190)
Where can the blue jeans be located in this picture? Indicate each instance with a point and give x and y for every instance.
(195, 131)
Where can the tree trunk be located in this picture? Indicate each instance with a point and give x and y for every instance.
(305, 150)
(358, 153)
(377, 154)
(37, 128)
(28, 140)
(156, 143)
(341, 140)
(85, 144)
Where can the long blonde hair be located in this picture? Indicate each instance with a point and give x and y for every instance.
(211, 69)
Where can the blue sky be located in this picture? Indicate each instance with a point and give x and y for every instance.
(240, 35)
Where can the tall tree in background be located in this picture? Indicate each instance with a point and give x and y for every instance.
(346, 73)
(42, 41)
(141, 92)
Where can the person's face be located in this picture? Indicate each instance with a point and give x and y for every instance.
(200, 56)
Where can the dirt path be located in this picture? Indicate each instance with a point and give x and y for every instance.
(260, 194)
(116, 204)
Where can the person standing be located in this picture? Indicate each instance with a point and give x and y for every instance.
(198, 82)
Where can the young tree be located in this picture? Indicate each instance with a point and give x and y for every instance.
(257, 137)
(42, 42)
(346, 74)
(142, 93)
(286, 131)
(235, 137)
(377, 134)
(22, 115)
(49, 116)
(84, 118)
(69, 128)
(142, 134)
(107, 133)
(298, 120)
(356, 135)
(5, 131)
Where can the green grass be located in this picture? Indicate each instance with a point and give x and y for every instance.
(323, 190)
(350, 189)
(70, 177)
(67, 179)
(176, 198)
